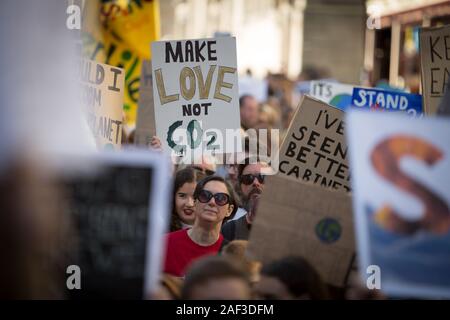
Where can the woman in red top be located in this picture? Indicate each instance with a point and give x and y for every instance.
(214, 203)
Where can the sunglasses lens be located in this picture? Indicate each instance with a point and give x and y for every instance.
(247, 179)
(221, 199)
(204, 196)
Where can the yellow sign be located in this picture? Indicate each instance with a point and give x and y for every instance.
(119, 33)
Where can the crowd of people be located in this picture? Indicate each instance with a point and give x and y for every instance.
(213, 208)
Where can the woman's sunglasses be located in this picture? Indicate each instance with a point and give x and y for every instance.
(248, 179)
(221, 199)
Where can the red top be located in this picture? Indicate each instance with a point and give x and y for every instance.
(182, 251)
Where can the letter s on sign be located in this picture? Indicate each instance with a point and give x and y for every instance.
(386, 158)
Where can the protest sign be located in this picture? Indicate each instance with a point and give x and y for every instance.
(402, 201)
(102, 96)
(145, 121)
(384, 100)
(196, 95)
(336, 94)
(303, 219)
(314, 149)
(444, 105)
(119, 213)
(435, 65)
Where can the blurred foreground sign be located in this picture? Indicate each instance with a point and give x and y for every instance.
(314, 149)
(302, 219)
(435, 65)
(119, 217)
(401, 183)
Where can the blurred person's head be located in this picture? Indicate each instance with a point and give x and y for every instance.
(236, 250)
(269, 117)
(183, 198)
(205, 165)
(216, 278)
(249, 111)
(290, 278)
(215, 202)
(313, 73)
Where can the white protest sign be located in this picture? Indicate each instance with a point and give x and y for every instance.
(336, 94)
(196, 95)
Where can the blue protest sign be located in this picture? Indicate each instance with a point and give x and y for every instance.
(387, 101)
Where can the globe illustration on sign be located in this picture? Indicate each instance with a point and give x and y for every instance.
(341, 101)
(328, 230)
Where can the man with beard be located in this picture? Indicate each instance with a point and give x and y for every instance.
(251, 185)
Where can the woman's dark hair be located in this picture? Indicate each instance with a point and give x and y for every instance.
(186, 175)
(201, 185)
(299, 277)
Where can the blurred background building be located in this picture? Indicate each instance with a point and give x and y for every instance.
(352, 41)
(277, 36)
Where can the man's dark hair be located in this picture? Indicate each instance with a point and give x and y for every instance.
(247, 161)
(201, 185)
(211, 268)
(298, 276)
(242, 166)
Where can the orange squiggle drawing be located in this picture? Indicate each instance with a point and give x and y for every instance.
(386, 159)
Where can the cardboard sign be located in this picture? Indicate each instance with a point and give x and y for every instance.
(302, 219)
(402, 201)
(391, 101)
(102, 95)
(196, 94)
(435, 65)
(444, 105)
(119, 213)
(314, 149)
(145, 122)
(336, 94)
